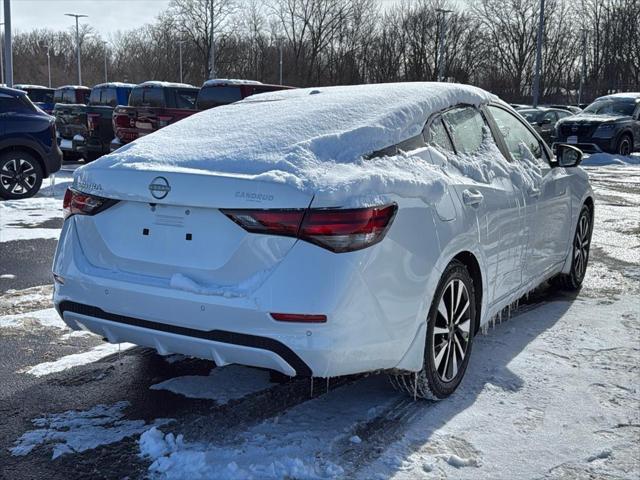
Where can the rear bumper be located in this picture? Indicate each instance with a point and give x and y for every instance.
(52, 160)
(364, 331)
(223, 347)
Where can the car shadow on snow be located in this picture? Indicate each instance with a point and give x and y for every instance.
(488, 371)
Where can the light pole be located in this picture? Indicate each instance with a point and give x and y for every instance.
(49, 64)
(8, 51)
(212, 68)
(280, 61)
(180, 42)
(443, 24)
(104, 45)
(77, 43)
(536, 78)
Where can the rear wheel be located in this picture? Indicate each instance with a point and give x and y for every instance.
(450, 329)
(625, 145)
(580, 253)
(20, 175)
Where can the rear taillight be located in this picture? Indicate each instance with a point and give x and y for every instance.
(92, 121)
(298, 317)
(338, 230)
(121, 120)
(164, 120)
(78, 203)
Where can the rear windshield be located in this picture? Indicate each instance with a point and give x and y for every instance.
(104, 96)
(185, 98)
(532, 116)
(70, 95)
(40, 95)
(612, 107)
(215, 96)
(147, 97)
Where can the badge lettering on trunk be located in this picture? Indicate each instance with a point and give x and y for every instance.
(159, 188)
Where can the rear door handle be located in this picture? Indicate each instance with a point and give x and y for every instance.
(472, 197)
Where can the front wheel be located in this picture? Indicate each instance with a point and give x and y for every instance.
(625, 145)
(20, 175)
(450, 330)
(579, 253)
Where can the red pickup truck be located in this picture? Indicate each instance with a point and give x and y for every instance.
(153, 105)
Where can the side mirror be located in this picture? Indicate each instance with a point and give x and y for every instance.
(545, 121)
(568, 155)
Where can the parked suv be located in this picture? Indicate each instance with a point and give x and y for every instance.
(218, 92)
(543, 119)
(93, 122)
(42, 97)
(609, 124)
(152, 105)
(28, 148)
(70, 103)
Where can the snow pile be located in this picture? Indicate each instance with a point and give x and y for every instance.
(77, 359)
(47, 318)
(76, 431)
(222, 385)
(602, 159)
(311, 139)
(182, 282)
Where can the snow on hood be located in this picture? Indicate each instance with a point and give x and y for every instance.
(313, 139)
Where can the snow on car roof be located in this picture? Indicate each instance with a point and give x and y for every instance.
(229, 81)
(73, 87)
(22, 86)
(115, 85)
(629, 95)
(158, 83)
(313, 139)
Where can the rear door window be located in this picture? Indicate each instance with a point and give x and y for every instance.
(109, 97)
(466, 126)
(94, 97)
(147, 97)
(215, 96)
(437, 135)
(185, 98)
(9, 104)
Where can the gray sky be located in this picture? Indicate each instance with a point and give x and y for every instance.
(106, 16)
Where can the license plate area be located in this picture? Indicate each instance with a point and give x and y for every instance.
(573, 139)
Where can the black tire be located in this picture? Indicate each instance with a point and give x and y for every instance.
(20, 175)
(579, 253)
(446, 338)
(91, 156)
(625, 145)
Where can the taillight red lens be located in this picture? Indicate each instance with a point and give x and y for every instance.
(338, 230)
(78, 203)
(92, 121)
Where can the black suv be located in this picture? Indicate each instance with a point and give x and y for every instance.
(609, 124)
(28, 148)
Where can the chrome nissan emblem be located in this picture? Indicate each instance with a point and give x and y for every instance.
(159, 187)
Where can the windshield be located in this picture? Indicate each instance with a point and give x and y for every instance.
(532, 116)
(621, 106)
(40, 95)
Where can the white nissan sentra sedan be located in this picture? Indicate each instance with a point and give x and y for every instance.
(324, 232)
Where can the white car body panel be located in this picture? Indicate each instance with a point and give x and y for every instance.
(120, 282)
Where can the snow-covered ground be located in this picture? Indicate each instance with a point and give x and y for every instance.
(552, 393)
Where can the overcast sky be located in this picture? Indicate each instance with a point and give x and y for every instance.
(106, 16)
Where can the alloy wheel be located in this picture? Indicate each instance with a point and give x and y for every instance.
(450, 340)
(18, 176)
(581, 246)
(625, 147)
